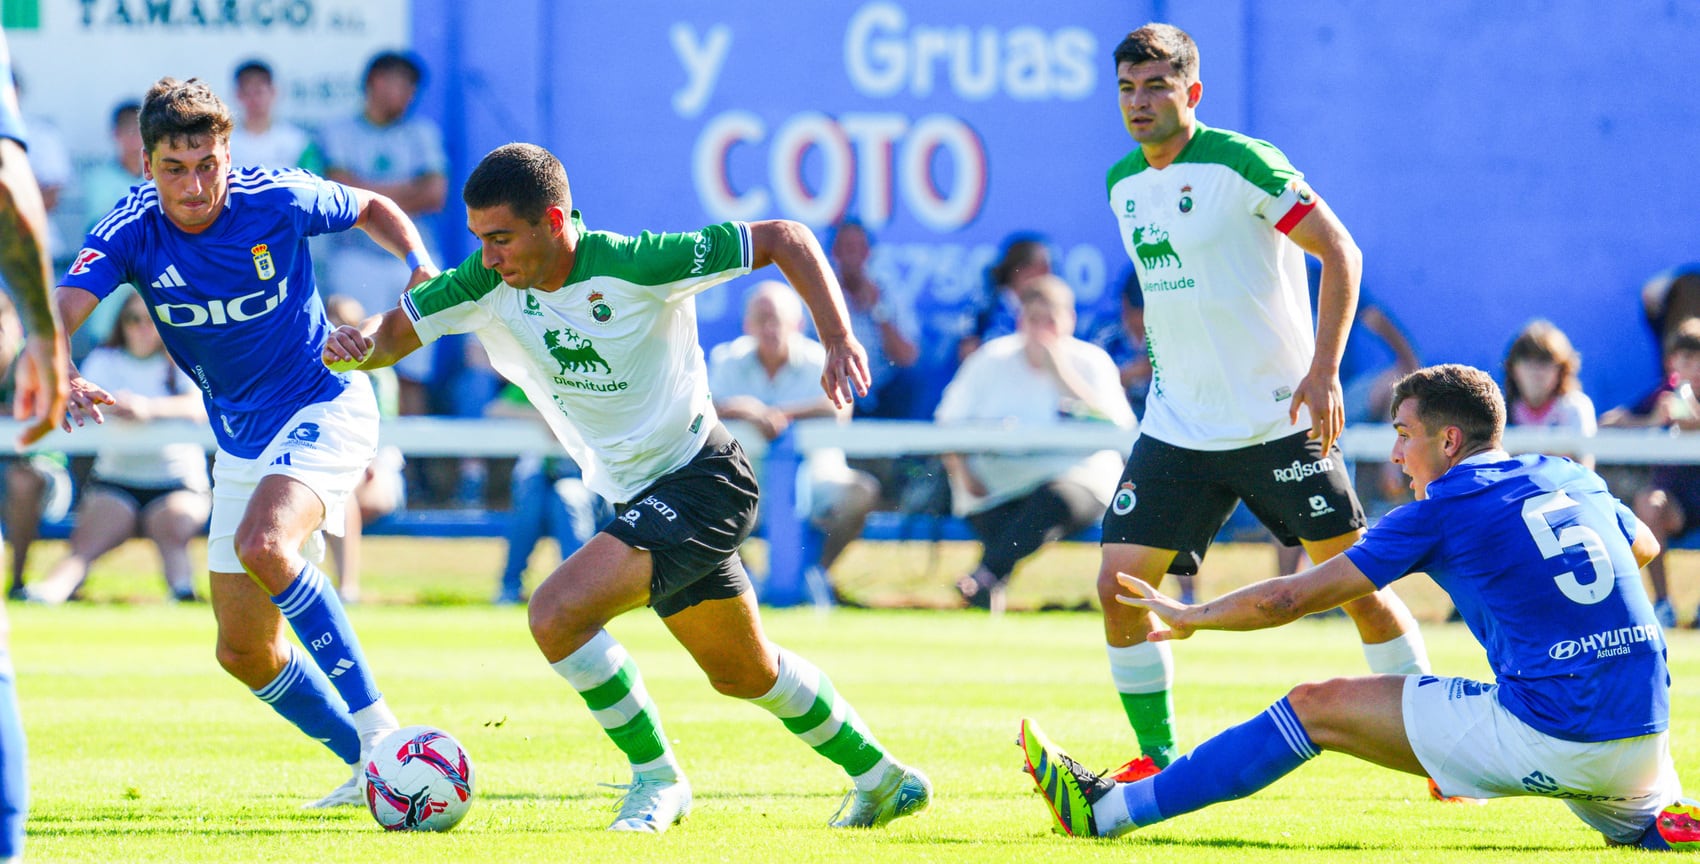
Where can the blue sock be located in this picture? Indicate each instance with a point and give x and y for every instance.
(14, 786)
(317, 616)
(1234, 764)
(303, 695)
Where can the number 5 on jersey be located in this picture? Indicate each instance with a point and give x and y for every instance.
(1552, 543)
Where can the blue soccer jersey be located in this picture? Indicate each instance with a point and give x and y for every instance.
(1535, 553)
(235, 304)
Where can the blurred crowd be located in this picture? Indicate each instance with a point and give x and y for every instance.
(1021, 348)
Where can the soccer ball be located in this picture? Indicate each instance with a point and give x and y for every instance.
(418, 779)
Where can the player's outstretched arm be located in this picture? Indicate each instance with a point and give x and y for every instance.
(1321, 234)
(389, 226)
(379, 341)
(85, 397)
(792, 246)
(44, 373)
(1255, 607)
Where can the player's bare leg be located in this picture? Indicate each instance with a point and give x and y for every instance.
(1143, 671)
(601, 580)
(725, 638)
(1392, 643)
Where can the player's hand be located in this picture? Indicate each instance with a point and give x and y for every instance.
(43, 385)
(1173, 613)
(1322, 393)
(846, 374)
(346, 348)
(84, 401)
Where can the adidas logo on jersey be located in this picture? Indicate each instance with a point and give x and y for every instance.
(170, 278)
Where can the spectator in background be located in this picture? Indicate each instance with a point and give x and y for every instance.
(1122, 336)
(164, 495)
(1037, 377)
(381, 491)
(103, 186)
(1670, 503)
(1670, 298)
(37, 485)
(400, 156)
(770, 377)
(1542, 387)
(1024, 256)
(259, 138)
(549, 498)
(111, 179)
(885, 330)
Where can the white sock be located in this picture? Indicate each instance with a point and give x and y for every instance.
(1406, 655)
(593, 663)
(1109, 813)
(1148, 667)
(374, 719)
(795, 692)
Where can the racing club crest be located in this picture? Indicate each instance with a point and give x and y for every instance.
(599, 308)
(263, 261)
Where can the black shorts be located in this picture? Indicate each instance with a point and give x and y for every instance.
(692, 522)
(1174, 498)
(139, 497)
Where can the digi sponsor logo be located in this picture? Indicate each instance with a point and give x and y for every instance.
(1605, 643)
(1299, 470)
(216, 312)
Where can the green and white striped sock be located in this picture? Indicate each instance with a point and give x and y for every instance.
(608, 679)
(804, 700)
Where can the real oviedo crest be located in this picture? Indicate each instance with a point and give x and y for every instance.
(263, 261)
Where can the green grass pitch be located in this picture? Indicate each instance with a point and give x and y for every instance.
(143, 750)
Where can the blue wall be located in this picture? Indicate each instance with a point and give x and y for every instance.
(1497, 161)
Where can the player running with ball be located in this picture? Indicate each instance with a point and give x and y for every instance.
(221, 257)
(600, 332)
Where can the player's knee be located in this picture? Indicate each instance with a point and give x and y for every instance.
(1317, 704)
(259, 550)
(744, 681)
(245, 664)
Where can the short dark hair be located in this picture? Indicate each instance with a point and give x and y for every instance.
(1685, 339)
(253, 66)
(525, 177)
(392, 61)
(1160, 42)
(1019, 250)
(127, 108)
(1453, 394)
(183, 111)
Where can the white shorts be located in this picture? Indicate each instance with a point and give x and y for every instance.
(326, 446)
(1472, 746)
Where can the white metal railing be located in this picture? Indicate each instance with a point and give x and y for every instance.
(436, 436)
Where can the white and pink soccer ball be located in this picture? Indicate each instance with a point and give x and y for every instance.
(418, 779)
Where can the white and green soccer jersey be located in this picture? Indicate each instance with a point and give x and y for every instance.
(1227, 311)
(611, 359)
